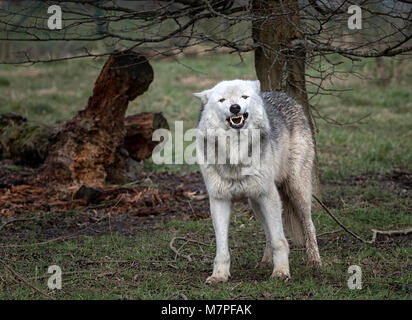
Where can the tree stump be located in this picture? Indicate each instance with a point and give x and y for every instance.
(140, 127)
(85, 146)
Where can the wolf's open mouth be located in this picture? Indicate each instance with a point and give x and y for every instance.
(238, 121)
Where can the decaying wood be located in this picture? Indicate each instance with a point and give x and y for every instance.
(27, 143)
(86, 145)
(139, 131)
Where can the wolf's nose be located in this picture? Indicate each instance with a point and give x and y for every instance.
(234, 108)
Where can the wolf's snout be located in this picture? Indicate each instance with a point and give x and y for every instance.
(234, 108)
(237, 120)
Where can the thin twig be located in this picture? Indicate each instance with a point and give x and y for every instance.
(177, 251)
(401, 232)
(54, 239)
(173, 248)
(375, 231)
(15, 220)
(328, 232)
(338, 222)
(18, 276)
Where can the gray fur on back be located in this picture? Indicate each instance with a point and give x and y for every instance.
(282, 109)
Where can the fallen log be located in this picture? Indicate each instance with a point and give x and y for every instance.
(27, 143)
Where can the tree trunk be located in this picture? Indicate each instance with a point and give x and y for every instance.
(279, 64)
(85, 147)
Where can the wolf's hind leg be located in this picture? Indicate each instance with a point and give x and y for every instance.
(270, 207)
(301, 200)
(220, 211)
(267, 260)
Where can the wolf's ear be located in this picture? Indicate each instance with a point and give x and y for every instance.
(257, 85)
(203, 96)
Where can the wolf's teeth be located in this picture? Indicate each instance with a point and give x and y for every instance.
(236, 124)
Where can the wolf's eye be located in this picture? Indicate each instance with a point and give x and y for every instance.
(222, 100)
(245, 97)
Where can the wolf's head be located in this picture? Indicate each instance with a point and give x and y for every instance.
(235, 102)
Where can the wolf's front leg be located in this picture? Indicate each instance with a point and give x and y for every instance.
(271, 209)
(220, 210)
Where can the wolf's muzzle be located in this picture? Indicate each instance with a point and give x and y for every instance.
(238, 121)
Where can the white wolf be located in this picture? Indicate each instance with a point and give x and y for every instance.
(281, 178)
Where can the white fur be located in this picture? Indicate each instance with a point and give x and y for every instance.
(225, 184)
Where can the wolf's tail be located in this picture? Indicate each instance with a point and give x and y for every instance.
(291, 221)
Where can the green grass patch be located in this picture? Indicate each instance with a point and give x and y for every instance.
(142, 266)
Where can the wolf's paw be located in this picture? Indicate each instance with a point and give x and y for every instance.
(281, 273)
(216, 279)
(314, 263)
(264, 265)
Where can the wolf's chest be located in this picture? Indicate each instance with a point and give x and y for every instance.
(226, 181)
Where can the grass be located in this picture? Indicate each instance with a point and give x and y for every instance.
(141, 265)
(356, 161)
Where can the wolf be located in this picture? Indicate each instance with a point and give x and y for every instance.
(278, 187)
